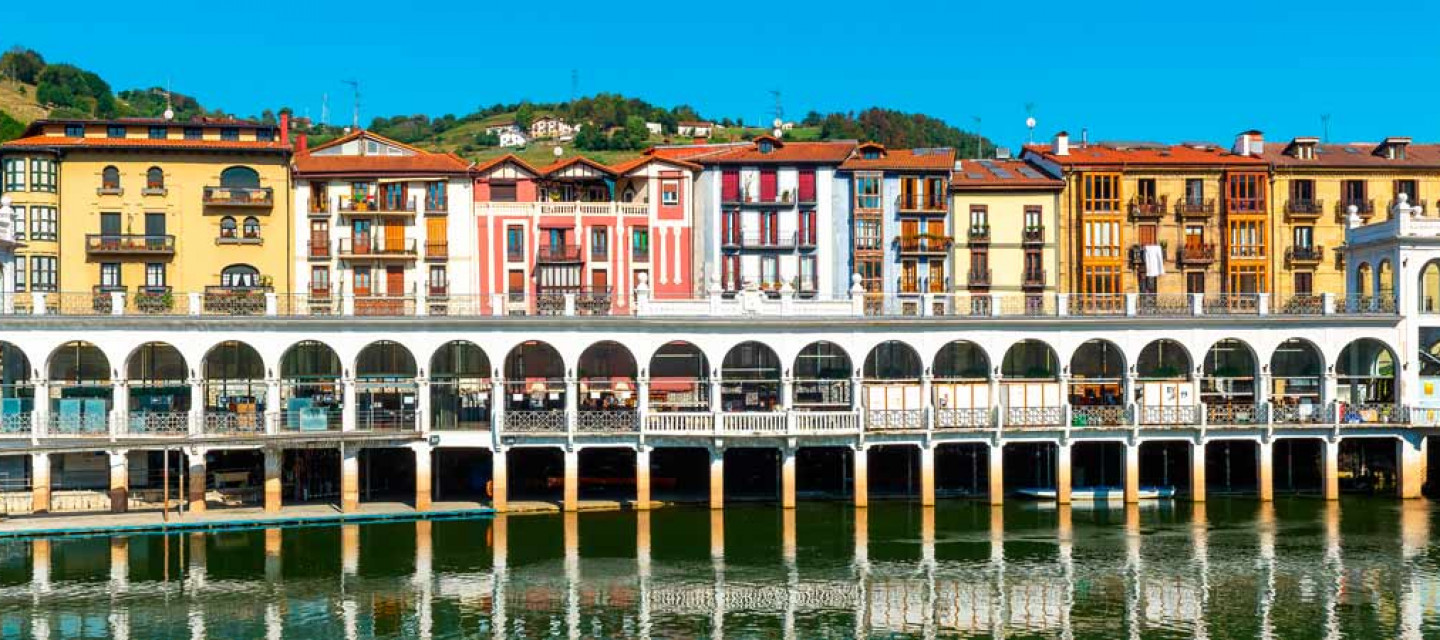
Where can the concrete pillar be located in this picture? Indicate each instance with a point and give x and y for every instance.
(862, 477)
(196, 491)
(1412, 458)
(1332, 469)
(997, 473)
(422, 400)
(787, 477)
(642, 478)
(120, 407)
(1265, 475)
(717, 478)
(499, 481)
(1062, 473)
(119, 481)
(422, 476)
(349, 479)
(40, 483)
(274, 489)
(348, 405)
(572, 481)
(1197, 471)
(927, 475)
(1132, 472)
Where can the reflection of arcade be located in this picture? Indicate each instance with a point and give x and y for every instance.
(679, 379)
(750, 379)
(310, 387)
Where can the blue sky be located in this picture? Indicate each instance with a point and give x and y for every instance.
(1125, 70)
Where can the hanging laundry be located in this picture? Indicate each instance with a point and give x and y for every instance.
(1154, 261)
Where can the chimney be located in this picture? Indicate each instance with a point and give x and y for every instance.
(302, 144)
(1084, 137)
(1249, 143)
(1062, 144)
(285, 129)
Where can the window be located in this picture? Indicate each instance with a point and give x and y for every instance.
(154, 179)
(241, 177)
(320, 278)
(74, 130)
(109, 275)
(1100, 192)
(115, 131)
(44, 223)
(1195, 282)
(1194, 191)
(806, 224)
(110, 179)
(361, 282)
(14, 174)
(670, 193)
(155, 274)
(227, 227)
(438, 279)
(766, 146)
(159, 133)
(155, 227)
(935, 194)
(42, 175)
(394, 196)
(229, 133)
(599, 243)
(1033, 219)
(514, 244)
(435, 196)
(867, 235)
(110, 223)
(240, 275)
(768, 189)
(909, 277)
(806, 187)
(769, 272)
(1304, 283)
(1148, 234)
(870, 274)
(807, 274)
(1352, 192)
(1247, 239)
(730, 227)
(1304, 237)
(1145, 190)
(1247, 192)
(909, 192)
(1100, 279)
(194, 133)
(730, 185)
(20, 274)
(43, 273)
(19, 226)
(251, 229)
(265, 135)
(1102, 239)
(1409, 188)
(1034, 269)
(640, 244)
(979, 219)
(1302, 191)
(867, 191)
(1247, 279)
(730, 273)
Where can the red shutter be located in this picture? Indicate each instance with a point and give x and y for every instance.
(807, 186)
(730, 186)
(767, 185)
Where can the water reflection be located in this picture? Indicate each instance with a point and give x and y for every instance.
(1224, 569)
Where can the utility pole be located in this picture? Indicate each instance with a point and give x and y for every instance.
(1325, 128)
(325, 109)
(779, 110)
(355, 86)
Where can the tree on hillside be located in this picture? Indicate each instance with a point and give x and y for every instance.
(10, 128)
(68, 86)
(22, 65)
(524, 116)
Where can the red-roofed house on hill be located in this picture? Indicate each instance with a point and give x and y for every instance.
(583, 233)
(385, 224)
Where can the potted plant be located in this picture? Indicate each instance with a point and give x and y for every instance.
(153, 301)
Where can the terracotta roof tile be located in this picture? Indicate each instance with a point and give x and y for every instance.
(144, 143)
(939, 159)
(833, 152)
(561, 164)
(1352, 155)
(632, 164)
(421, 162)
(1002, 174)
(1104, 154)
(509, 157)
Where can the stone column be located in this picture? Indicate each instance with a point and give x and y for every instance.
(787, 477)
(197, 406)
(1197, 471)
(1132, 472)
(120, 407)
(642, 478)
(349, 479)
(717, 478)
(40, 483)
(119, 481)
(1332, 468)
(348, 406)
(196, 490)
(499, 481)
(572, 480)
(927, 475)
(997, 474)
(572, 403)
(274, 474)
(1265, 471)
(273, 407)
(422, 403)
(1412, 458)
(862, 476)
(1062, 472)
(422, 476)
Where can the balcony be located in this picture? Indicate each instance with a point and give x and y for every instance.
(257, 197)
(373, 206)
(437, 250)
(437, 289)
(99, 244)
(437, 207)
(1033, 278)
(639, 254)
(912, 203)
(318, 249)
(398, 248)
(558, 253)
(924, 244)
(778, 200)
(768, 242)
(1198, 254)
(979, 233)
(1147, 207)
(1365, 208)
(1313, 255)
(235, 301)
(978, 277)
(805, 240)
(1137, 254)
(1195, 207)
(1033, 235)
(1307, 208)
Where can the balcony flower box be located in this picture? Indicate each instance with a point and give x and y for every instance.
(152, 302)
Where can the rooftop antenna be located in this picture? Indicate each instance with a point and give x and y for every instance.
(355, 86)
(1030, 120)
(779, 110)
(979, 140)
(325, 109)
(1325, 128)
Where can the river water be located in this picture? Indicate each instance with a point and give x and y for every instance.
(1232, 568)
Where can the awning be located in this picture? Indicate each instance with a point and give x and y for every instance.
(557, 224)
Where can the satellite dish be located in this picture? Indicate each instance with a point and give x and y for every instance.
(559, 152)
(778, 123)
(777, 132)
(1030, 122)
(169, 113)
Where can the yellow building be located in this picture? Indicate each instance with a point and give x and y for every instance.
(1314, 186)
(154, 208)
(1006, 227)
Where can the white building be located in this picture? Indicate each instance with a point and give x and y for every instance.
(513, 137)
(654, 128)
(552, 127)
(695, 129)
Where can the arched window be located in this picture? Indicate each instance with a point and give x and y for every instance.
(252, 227)
(240, 275)
(110, 178)
(154, 178)
(227, 227)
(240, 177)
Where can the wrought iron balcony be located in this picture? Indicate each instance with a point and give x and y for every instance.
(377, 248)
(979, 233)
(129, 244)
(437, 250)
(377, 205)
(1147, 207)
(1305, 255)
(262, 197)
(1195, 254)
(1364, 207)
(1033, 235)
(979, 277)
(1195, 207)
(555, 253)
(1033, 278)
(924, 244)
(1310, 208)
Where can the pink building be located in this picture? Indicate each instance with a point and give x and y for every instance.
(583, 233)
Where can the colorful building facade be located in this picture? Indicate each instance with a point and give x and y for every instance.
(1006, 227)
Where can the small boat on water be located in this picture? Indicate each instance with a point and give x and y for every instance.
(1098, 494)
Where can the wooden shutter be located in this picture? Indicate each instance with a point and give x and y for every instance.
(767, 185)
(435, 231)
(807, 185)
(730, 186)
